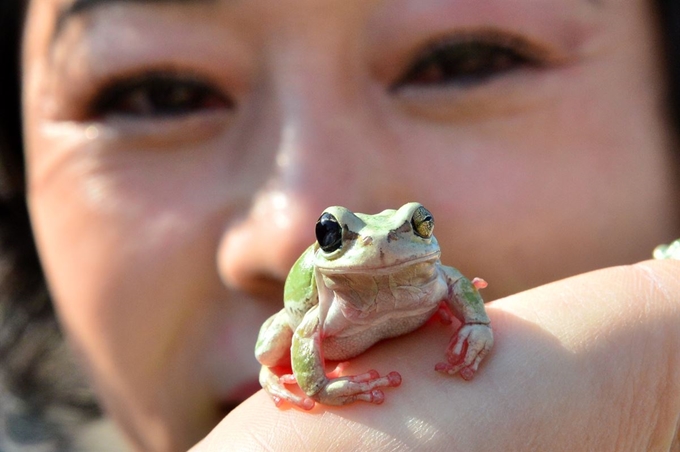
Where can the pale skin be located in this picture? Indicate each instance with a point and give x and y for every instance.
(186, 212)
(565, 374)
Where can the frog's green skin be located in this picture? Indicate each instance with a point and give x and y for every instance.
(384, 279)
(670, 251)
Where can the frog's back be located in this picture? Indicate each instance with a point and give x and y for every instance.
(299, 293)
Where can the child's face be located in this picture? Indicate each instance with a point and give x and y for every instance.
(179, 154)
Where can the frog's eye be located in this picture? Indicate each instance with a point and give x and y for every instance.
(422, 222)
(328, 233)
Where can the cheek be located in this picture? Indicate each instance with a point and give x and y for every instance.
(122, 283)
(128, 240)
(130, 260)
(547, 193)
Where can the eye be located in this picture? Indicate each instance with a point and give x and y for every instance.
(158, 94)
(328, 233)
(422, 222)
(467, 60)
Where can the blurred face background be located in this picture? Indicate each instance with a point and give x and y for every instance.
(179, 153)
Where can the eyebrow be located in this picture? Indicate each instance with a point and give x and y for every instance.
(78, 7)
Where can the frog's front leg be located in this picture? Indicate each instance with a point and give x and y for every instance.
(273, 350)
(309, 370)
(474, 339)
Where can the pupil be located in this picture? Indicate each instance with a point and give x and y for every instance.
(328, 233)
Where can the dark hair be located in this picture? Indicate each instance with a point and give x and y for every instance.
(668, 13)
(37, 378)
(41, 396)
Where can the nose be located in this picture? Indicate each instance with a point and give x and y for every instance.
(321, 158)
(258, 250)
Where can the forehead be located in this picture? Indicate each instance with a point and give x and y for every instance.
(69, 9)
(63, 12)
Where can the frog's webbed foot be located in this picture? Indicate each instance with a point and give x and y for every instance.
(467, 349)
(336, 391)
(274, 385)
(363, 387)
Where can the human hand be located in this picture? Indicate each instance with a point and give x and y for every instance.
(586, 363)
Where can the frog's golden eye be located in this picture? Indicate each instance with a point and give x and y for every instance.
(422, 222)
(328, 233)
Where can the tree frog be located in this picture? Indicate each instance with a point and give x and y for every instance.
(367, 278)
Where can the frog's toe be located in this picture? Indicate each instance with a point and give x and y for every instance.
(394, 378)
(479, 283)
(306, 403)
(468, 372)
(339, 369)
(373, 379)
(280, 395)
(363, 387)
(447, 368)
(303, 402)
(274, 386)
(375, 396)
(367, 376)
(277, 400)
(287, 379)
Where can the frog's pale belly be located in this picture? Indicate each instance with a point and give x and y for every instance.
(365, 298)
(338, 348)
(373, 312)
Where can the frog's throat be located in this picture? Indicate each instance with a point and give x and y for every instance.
(386, 269)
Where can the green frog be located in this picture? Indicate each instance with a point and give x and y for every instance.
(367, 278)
(670, 251)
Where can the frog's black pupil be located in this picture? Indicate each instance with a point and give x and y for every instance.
(328, 233)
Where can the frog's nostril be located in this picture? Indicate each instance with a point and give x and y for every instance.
(366, 240)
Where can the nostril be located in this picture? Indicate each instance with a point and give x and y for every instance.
(367, 240)
(260, 286)
(256, 253)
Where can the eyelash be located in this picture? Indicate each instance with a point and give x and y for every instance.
(468, 61)
(159, 94)
(462, 61)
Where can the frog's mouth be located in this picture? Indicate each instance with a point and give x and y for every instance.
(386, 268)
